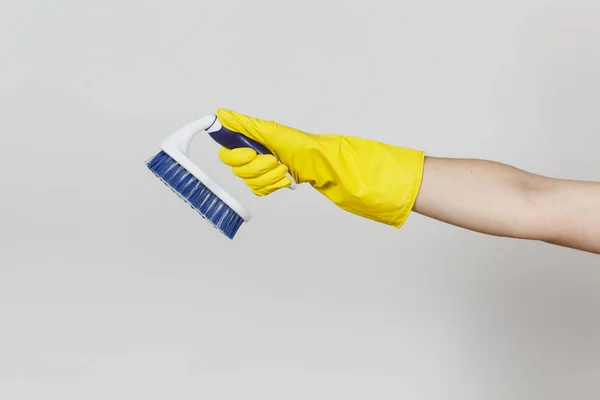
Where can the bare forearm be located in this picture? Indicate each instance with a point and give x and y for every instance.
(501, 200)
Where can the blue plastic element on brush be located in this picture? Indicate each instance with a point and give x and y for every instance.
(198, 196)
(233, 140)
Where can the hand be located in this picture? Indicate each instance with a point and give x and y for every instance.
(367, 178)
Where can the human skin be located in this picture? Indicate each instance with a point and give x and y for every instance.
(501, 200)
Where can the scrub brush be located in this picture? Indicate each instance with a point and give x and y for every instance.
(174, 167)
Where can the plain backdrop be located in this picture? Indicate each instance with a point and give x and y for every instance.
(111, 287)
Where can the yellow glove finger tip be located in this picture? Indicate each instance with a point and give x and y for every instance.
(260, 192)
(282, 183)
(267, 179)
(261, 165)
(237, 157)
(269, 160)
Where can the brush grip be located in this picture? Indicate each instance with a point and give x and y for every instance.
(233, 140)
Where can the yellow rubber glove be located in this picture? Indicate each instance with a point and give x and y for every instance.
(365, 177)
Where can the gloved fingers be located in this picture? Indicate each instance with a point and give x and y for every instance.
(259, 166)
(246, 125)
(261, 172)
(267, 179)
(280, 184)
(277, 138)
(237, 157)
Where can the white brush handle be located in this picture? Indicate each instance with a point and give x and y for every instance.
(177, 146)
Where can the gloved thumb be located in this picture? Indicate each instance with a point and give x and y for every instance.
(277, 138)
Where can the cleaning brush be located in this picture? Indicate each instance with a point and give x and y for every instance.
(174, 167)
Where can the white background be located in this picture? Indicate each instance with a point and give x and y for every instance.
(111, 287)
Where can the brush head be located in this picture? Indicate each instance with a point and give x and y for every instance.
(196, 194)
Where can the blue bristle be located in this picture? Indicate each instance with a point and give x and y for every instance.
(190, 184)
(198, 196)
